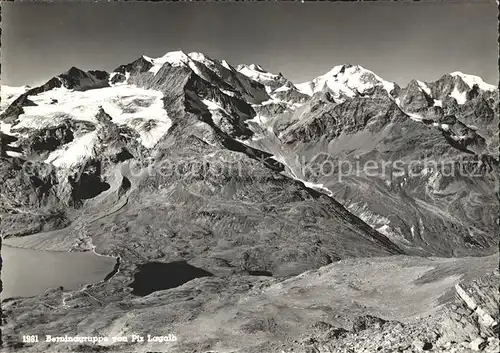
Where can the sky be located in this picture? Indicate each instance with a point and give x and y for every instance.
(399, 41)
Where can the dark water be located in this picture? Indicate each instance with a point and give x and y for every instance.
(154, 276)
(27, 272)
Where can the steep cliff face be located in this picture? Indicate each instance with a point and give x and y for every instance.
(80, 80)
(428, 173)
(416, 97)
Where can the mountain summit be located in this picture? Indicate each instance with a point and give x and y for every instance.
(348, 81)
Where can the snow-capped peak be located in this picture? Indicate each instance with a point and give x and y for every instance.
(256, 67)
(256, 72)
(346, 79)
(201, 58)
(175, 58)
(472, 80)
(180, 58)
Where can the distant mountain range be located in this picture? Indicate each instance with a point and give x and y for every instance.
(87, 119)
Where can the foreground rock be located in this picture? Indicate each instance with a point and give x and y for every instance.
(455, 328)
(356, 305)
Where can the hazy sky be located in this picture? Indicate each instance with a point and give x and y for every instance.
(399, 41)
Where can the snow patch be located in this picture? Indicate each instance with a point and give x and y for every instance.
(152, 131)
(367, 216)
(75, 152)
(413, 116)
(317, 187)
(259, 119)
(225, 64)
(391, 234)
(113, 74)
(426, 171)
(460, 97)
(276, 100)
(283, 88)
(14, 154)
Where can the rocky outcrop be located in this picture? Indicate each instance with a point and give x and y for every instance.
(6, 144)
(477, 307)
(327, 119)
(80, 80)
(28, 201)
(138, 66)
(414, 99)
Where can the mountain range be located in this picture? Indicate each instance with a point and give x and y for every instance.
(244, 174)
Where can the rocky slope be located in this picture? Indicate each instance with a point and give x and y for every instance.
(430, 165)
(186, 163)
(468, 323)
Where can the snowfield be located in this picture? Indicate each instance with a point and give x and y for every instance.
(138, 108)
(460, 97)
